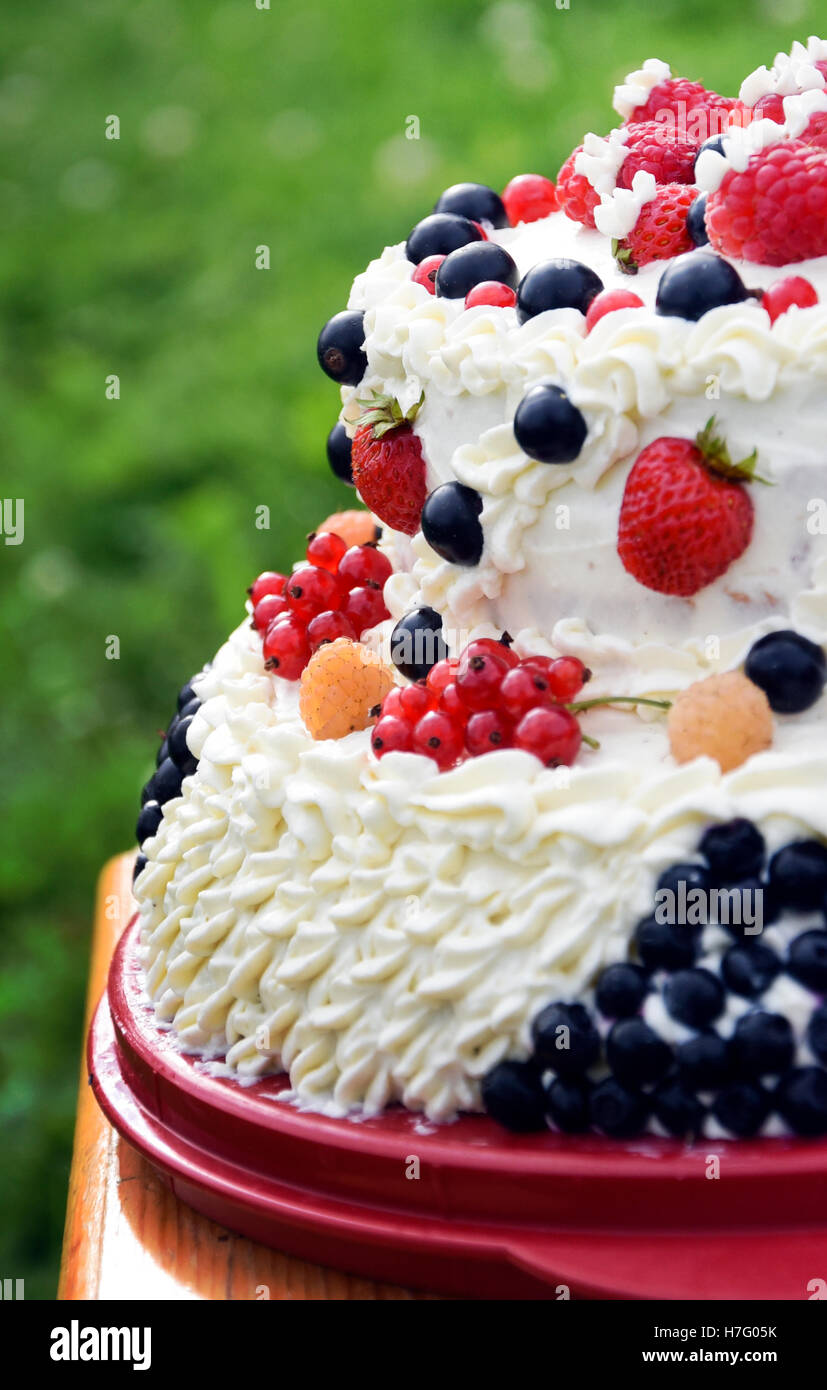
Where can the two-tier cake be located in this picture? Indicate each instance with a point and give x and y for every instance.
(512, 794)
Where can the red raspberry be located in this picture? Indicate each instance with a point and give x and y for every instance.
(576, 196)
(492, 646)
(566, 675)
(440, 737)
(607, 301)
(391, 735)
(660, 231)
(552, 735)
(416, 700)
(365, 607)
(267, 609)
(816, 132)
(325, 549)
(425, 272)
(681, 523)
(522, 689)
(528, 197)
(492, 293)
(311, 590)
(479, 678)
(441, 674)
(653, 147)
(268, 583)
(286, 648)
(698, 113)
(783, 294)
(775, 212)
(327, 627)
(487, 731)
(364, 564)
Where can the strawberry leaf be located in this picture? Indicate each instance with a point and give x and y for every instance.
(716, 456)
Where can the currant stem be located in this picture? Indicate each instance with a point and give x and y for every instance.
(579, 705)
(589, 741)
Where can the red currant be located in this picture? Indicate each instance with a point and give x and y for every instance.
(479, 678)
(552, 735)
(392, 703)
(425, 273)
(391, 735)
(439, 737)
(365, 608)
(523, 689)
(311, 590)
(286, 648)
(441, 674)
(492, 646)
(325, 549)
(487, 731)
(792, 290)
(491, 292)
(528, 197)
(326, 627)
(607, 301)
(769, 108)
(566, 675)
(451, 704)
(268, 608)
(364, 564)
(416, 700)
(267, 583)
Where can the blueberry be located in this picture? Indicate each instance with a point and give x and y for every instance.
(695, 223)
(565, 1039)
(417, 643)
(140, 865)
(679, 881)
(616, 1111)
(715, 142)
(694, 997)
(338, 454)
(187, 711)
(697, 282)
(703, 1061)
(548, 427)
(690, 875)
(470, 265)
(790, 669)
(678, 1109)
(746, 905)
(807, 960)
(179, 749)
(148, 790)
(340, 348)
(163, 751)
(621, 990)
(556, 284)
(167, 781)
(798, 874)
(762, 1045)
(749, 970)
(474, 200)
(513, 1095)
(439, 235)
(734, 850)
(568, 1104)
(148, 821)
(817, 1033)
(663, 947)
(451, 523)
(636, 1054)
(801, 1099)
(742, 1108)
(185, 694)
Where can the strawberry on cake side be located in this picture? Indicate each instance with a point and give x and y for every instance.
(516, 802)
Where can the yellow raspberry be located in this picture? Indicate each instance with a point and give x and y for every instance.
(340, 686)
(723, 717)
(355, 527)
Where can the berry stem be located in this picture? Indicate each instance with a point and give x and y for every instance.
(579, 705)
(589, 741)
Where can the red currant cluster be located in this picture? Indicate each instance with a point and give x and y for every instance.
(485, 699)
(337, 593)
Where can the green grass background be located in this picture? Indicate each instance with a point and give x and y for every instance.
(239, 127)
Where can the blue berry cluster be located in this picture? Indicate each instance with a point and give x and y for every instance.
(173, 762)
(683, 1033)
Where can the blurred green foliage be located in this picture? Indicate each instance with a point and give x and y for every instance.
(239, 127)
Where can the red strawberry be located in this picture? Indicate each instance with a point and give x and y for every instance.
(699, 112)
(667, 154)
(660, 230)
(575, 194)
(685, 514)
(388, 467)
(775, 212)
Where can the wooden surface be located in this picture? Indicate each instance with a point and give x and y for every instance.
(127, 1236)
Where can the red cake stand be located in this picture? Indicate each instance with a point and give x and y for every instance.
(465, 1208)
